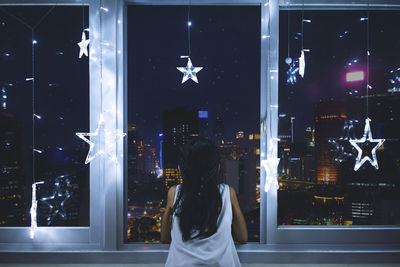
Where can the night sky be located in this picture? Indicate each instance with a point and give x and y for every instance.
(335, 38)
(61, 91)
(225, 41)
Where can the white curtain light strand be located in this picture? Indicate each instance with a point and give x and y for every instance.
(189, 72)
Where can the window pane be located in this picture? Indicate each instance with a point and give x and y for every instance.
(44, 101)
(322, 119)
(162, 112)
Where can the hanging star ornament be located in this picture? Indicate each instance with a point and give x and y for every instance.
(101, 142)
(189, 72)
(56, 202)
(270, 166)
(83, 45)
(292, 73)
(367, 137)
(343, 149)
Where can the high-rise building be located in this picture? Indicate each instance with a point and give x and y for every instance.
(284, 145)
(146, 158)
(204, 125)
(373, 195)
(330, 117)
(132, 149)
(179, 125)
(12, 204)
(218, 131)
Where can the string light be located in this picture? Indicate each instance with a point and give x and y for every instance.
(189, 72)
(33, 210)
(270, 166)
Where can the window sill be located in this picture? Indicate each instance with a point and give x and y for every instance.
(249, 253)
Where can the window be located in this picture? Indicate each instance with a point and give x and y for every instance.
(163, 112)
(320, 180)
(109, 218)
(41, 109)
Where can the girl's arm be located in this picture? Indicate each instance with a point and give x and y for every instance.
(239, 229)
(166, 219)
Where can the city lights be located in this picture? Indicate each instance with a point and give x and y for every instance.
(355, 76)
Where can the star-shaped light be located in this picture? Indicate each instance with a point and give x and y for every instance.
(367, 137)
(189, 72)
(302, 63)
(270, 166)
(83, 44)
(292, 73)
(344, 149)
(102, 141)
(57, 200)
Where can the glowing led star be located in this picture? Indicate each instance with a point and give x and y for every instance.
(292, 73)
(57, 200)
(83, 44)
(189, 72)
(270, 166)
(302, 64)
(367, 137)
(34, 210)
(103, 142)
(344, 150)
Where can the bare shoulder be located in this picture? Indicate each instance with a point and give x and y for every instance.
(171, 191)
(232, 191)
(232, 194)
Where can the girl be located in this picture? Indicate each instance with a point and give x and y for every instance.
(202, 217)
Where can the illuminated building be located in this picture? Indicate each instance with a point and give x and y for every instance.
(204, 124)
(172, 176)
(373, 195)
(132, 149)
(240, 135)
(329, 119)
(179, 125)
(12, 210)
(146, 158)
(218, 131)
(284, 145)
(229, 151)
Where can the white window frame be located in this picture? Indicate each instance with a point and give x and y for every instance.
(108, 183)
(92, 237)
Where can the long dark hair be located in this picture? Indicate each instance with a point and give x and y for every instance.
(198, 203)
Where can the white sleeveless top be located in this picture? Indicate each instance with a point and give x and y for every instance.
(216, 250)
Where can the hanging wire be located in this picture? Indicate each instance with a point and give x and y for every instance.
(302, 25)
(270, 89)
(101, 57)
(288, 30)
(32, 28)
(368, 54)
(83, 17)
(189, 26)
